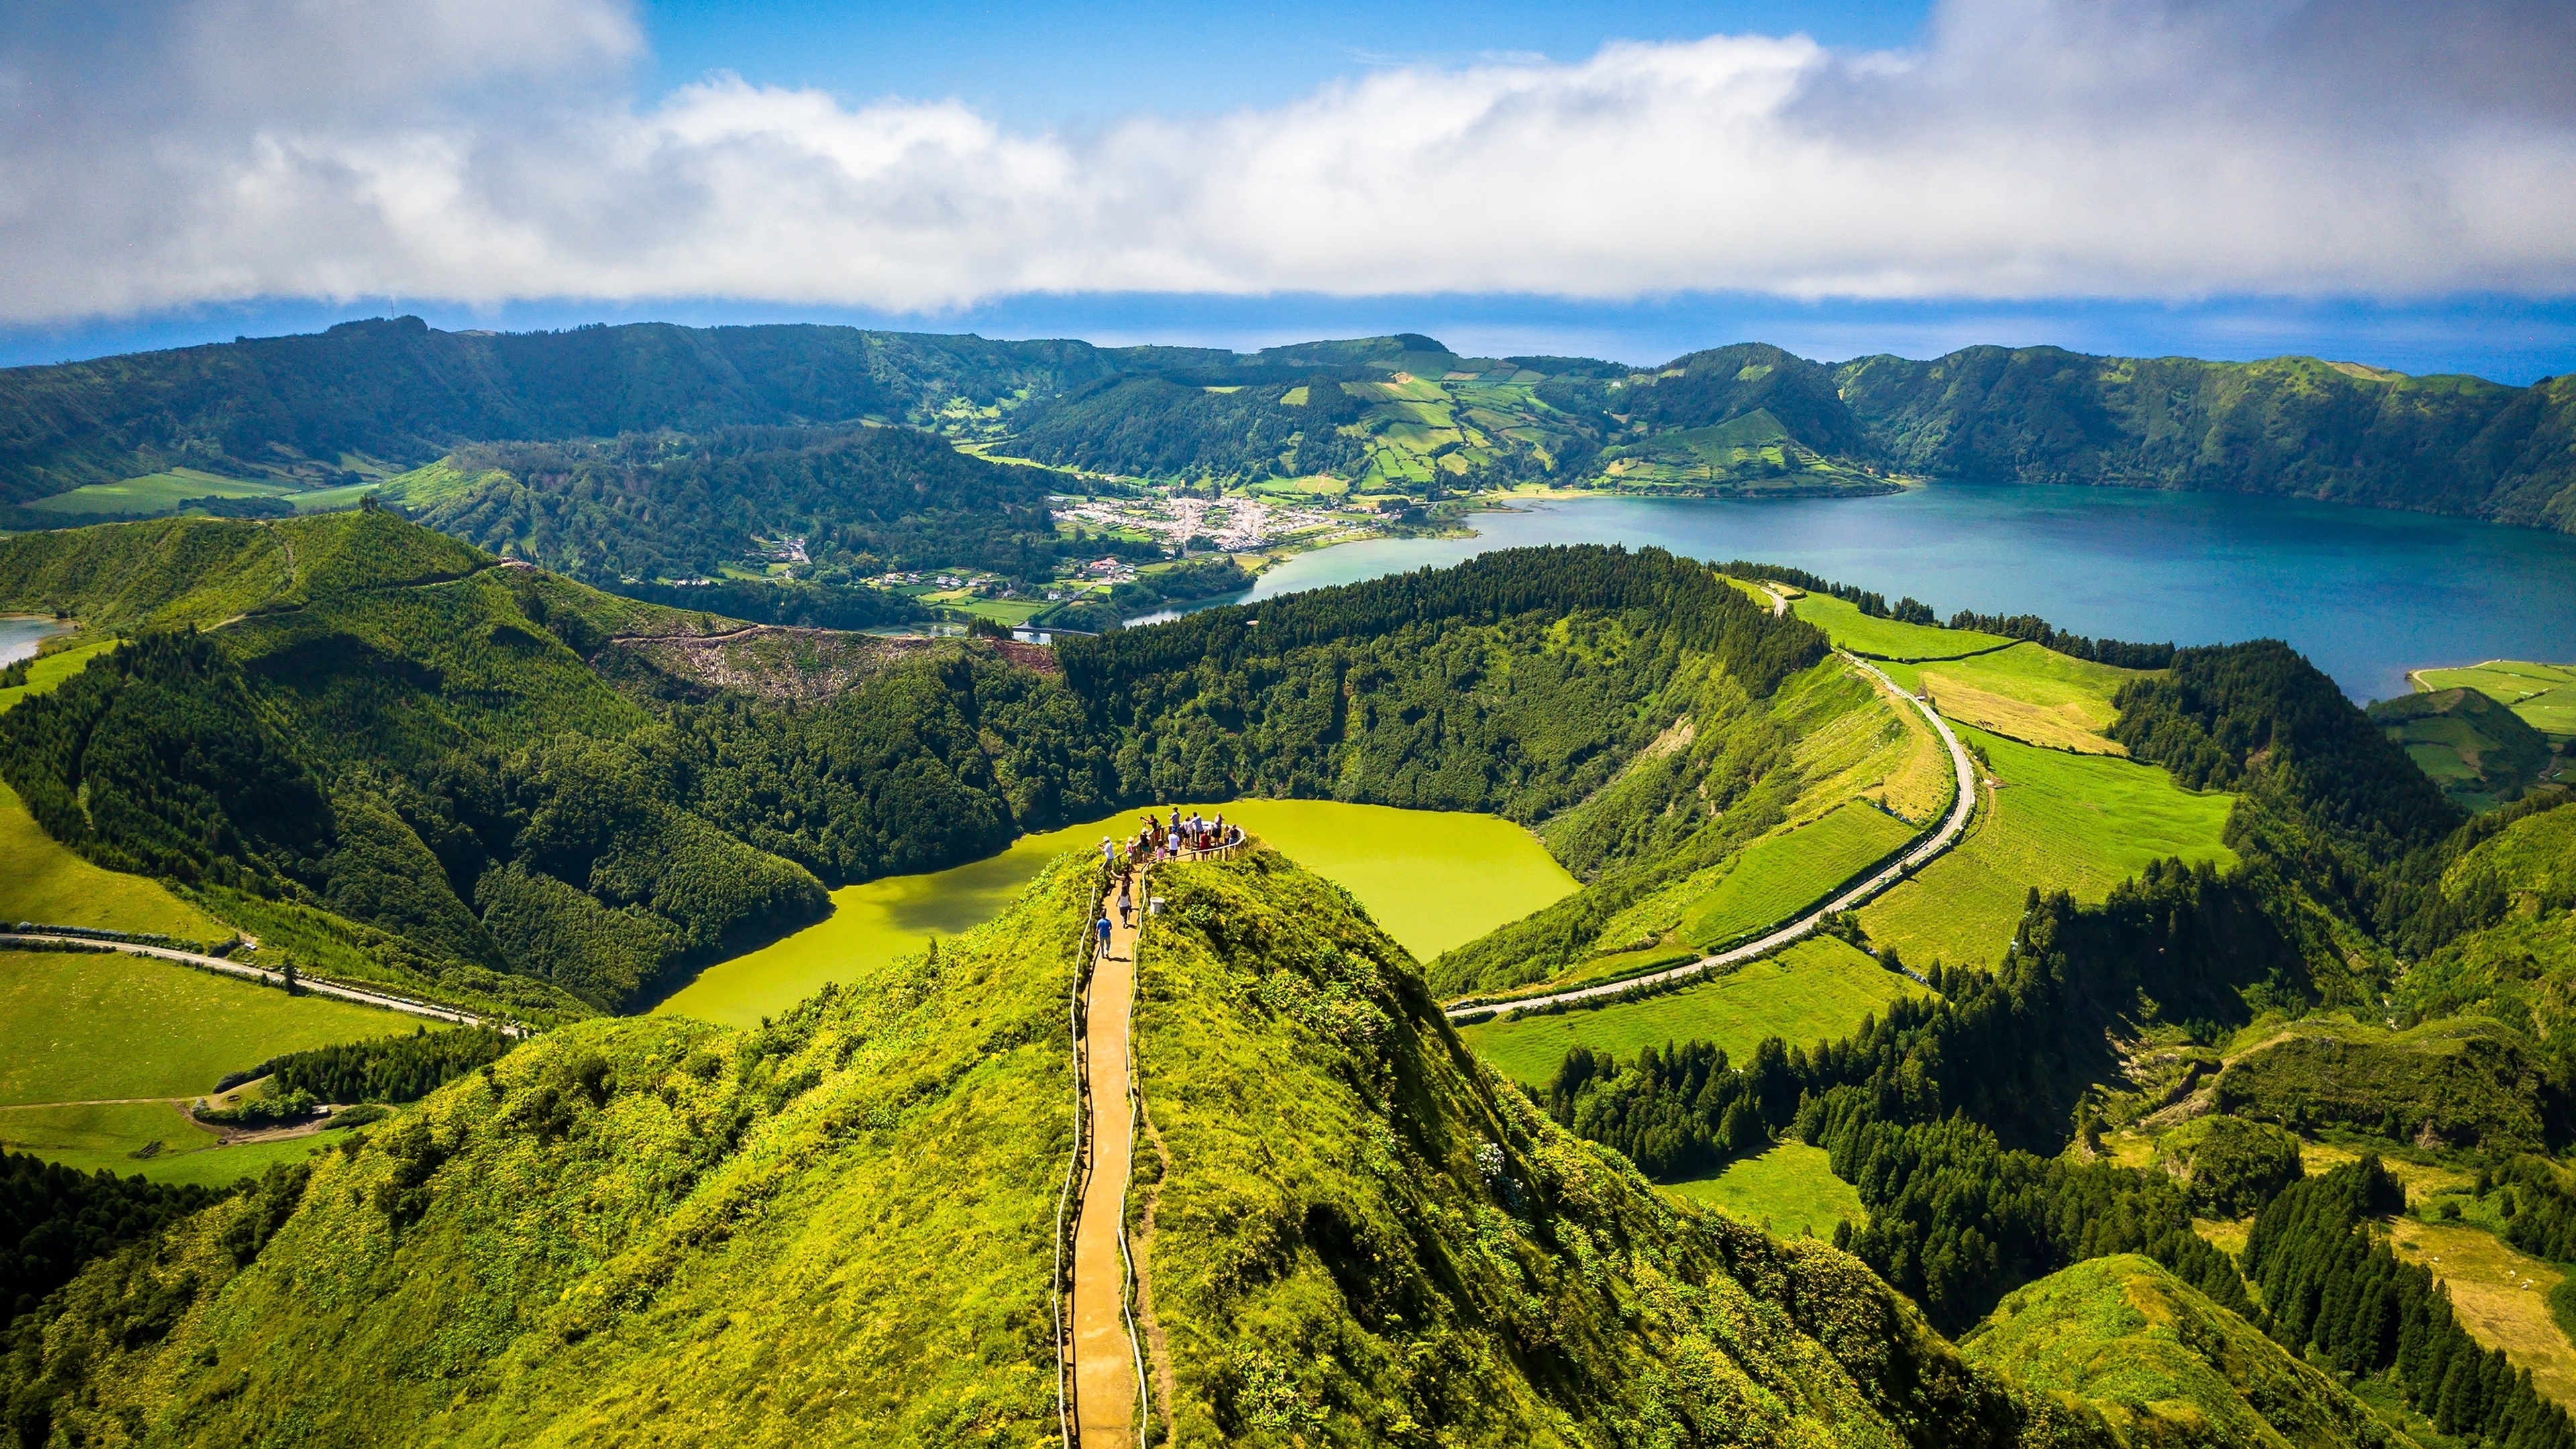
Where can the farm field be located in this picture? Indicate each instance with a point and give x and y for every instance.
(1779, 875)
(1790, 1191)
(105, 1138)
(155, 491)
(87, 1026)
(1817, 989)
(88, 1042)
(2501, 1296)
(2543, 694)
(1851, 629)
(2058, 821)
(1432, 879)
(2031, 694)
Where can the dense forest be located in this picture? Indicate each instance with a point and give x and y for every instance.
(665, 506)
(1156, 428)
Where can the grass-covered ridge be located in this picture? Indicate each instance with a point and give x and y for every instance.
(2166, 1364)
(657, 1226)
(725, 1236)
(1411, 1253)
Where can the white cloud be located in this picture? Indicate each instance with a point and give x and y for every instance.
(485, 150)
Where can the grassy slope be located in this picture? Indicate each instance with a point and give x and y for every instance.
(1851, 629)
(652, 1229)
(1790, 1190)
(2028, 693)
(1816, 990)
(2166, 1364)
(1780, 875)
(46, 883)
(2543, 694)
(51, 670)
(2479, 751)
(2502, 1297)
(1412, 1254)
(154, 491)
(76, 1026)
(2058, 821)
(738, 1243)
(84, 1028)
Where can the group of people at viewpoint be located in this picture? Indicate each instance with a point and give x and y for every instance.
(1158, 840)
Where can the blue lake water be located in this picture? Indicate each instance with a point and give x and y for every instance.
(2366, 594)
(19, 636)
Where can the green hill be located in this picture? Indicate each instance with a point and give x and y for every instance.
(2481, 753)
(659, 1228)
(2166, 1365)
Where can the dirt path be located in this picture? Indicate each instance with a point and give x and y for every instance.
(1104, 1351)
(1963, 767)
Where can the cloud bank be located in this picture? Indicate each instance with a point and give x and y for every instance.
(482, 151)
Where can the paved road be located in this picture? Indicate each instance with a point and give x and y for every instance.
(1104, 1352)
(1963, 768)
(254, 973)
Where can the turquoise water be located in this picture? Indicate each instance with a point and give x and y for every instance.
(2366, 594)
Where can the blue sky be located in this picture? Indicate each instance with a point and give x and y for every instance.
(1038, 65)
(2368, 181)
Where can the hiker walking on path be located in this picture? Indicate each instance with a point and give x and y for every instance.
(1102, 926)
(1126, 901)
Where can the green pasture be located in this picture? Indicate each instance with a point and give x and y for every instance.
(105, 1138)
(154, 492)
(1433, 879)
(2058, 821)
(347, 495)
(1790, 1191)
(1011, 612)
(2028, 693)
(1850, 629)
(2543, 694)
(1816, 990)
(98, 1049)
(1780, 875)
(82, 1026)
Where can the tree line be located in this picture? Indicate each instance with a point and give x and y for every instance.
(2332, 1289)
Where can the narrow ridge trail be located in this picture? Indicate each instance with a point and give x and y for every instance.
(1105, 1384)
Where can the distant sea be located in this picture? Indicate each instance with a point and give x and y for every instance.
(2367, 594)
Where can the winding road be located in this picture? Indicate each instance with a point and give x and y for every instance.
(1963, 767)
(252, 973)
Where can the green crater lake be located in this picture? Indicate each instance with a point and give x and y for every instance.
(1434, 879)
